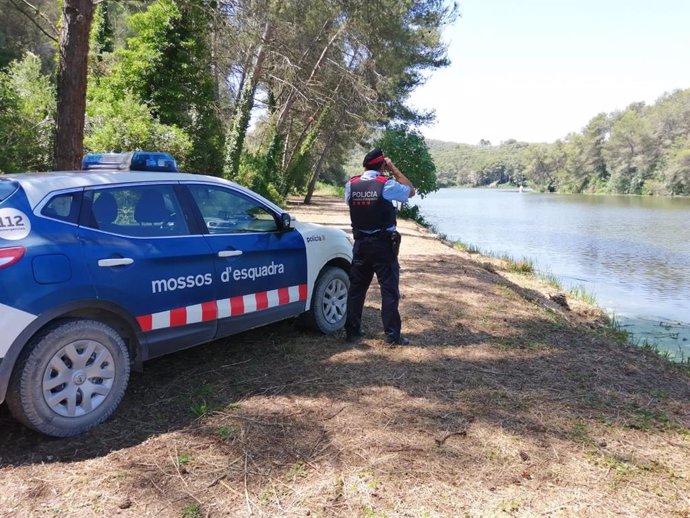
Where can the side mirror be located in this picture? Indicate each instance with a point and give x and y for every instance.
(285, 221)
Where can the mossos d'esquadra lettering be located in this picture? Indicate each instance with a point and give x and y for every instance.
(205, 279)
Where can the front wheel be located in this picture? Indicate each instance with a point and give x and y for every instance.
(329, 301)
(69, 379)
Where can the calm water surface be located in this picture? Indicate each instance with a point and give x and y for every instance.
(631, 253)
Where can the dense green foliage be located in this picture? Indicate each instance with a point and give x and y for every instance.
(159, 92)
(27, 109)
(324, 74)
(271, 93)
(464, 164)
(409, 152)
(640, 150)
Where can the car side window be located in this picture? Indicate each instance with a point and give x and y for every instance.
(227, 212)
(138, 211)
(64, 207)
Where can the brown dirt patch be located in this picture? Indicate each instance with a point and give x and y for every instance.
(505, 404)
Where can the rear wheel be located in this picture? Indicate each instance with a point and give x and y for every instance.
(70, 378)
(329, 301)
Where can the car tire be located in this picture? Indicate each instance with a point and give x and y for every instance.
(70, 378)
(328, 309)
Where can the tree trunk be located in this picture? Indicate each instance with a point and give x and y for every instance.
(244, 107)
(319, 164)
(77, 16)
(317, 171)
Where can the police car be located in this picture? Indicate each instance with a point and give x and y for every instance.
(102, 270)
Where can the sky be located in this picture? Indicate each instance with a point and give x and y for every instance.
(536, 70)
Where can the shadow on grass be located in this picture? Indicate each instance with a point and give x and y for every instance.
(546, 367)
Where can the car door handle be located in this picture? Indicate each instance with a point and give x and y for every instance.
(229, 253)
(121, 261)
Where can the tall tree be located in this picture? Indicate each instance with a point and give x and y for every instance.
(167, 65)
(678, 172)
(626, 151)
(408, 150)
(331, 58)
(542, 163)
(77, 16)
(245, 103)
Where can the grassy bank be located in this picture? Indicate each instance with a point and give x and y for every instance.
(510, 401)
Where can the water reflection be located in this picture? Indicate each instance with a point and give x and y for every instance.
(632, 253)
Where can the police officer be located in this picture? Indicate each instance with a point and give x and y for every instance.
(370, 197)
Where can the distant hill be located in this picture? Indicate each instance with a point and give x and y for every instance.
(465, 164)
(639, 150)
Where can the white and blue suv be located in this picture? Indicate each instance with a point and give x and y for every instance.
(102, 270)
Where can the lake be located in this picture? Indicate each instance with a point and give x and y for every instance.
(632, 253)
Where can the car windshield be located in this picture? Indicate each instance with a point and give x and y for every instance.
(7, 187)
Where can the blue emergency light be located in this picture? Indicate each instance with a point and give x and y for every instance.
(133, 161)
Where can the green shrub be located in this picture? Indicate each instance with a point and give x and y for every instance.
(124, 124)
(27, 116)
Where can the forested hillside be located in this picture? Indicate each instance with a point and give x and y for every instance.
(640, 150)
(270, 93)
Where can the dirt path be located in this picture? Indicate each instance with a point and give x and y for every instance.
(505, 404)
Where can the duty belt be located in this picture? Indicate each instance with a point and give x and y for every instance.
(378, 234)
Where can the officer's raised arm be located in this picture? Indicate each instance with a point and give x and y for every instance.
(399, 176)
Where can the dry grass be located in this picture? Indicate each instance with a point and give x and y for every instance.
(505, 404)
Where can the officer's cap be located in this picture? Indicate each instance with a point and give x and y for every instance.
(373, 158)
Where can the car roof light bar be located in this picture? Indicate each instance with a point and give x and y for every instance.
(132, 161)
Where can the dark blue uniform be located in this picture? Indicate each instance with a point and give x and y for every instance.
(374, 228)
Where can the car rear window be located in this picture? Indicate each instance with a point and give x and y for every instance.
(7, 187)
(64, 207)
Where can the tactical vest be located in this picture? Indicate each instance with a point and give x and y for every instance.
(368, 208)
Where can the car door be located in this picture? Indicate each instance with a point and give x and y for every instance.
(262, 268)
(143, 258)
